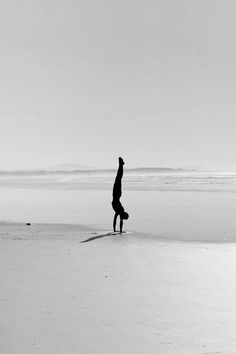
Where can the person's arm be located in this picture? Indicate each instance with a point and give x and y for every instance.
(114, 222)
(121, 225)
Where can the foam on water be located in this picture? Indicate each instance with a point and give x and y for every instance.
(133, 180)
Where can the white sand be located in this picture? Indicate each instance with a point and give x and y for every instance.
(116, 294)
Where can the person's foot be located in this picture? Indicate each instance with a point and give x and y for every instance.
(121, 161)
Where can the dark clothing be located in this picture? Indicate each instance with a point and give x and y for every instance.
(116, 204)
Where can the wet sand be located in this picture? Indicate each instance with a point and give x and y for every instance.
(129, 293)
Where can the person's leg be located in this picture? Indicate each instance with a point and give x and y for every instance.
(117, 185)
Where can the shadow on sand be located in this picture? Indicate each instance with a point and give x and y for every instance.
(101, 236)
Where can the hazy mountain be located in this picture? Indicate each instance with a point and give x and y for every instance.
(68, 167)
(77, 169)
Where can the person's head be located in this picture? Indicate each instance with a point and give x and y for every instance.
(124, 215)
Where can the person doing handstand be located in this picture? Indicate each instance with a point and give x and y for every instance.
(117, 192)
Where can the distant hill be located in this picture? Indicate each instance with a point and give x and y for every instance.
(81, 169)
(67, 167)
(75, 168)
(161, 169)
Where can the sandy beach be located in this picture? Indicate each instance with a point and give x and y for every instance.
(69, 285)
(125, 293)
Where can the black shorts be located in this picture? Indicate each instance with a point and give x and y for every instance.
(117, 206)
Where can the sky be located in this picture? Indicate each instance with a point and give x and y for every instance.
(84, 82)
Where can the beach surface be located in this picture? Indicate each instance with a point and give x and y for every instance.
(69, 285)
(128, 293)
